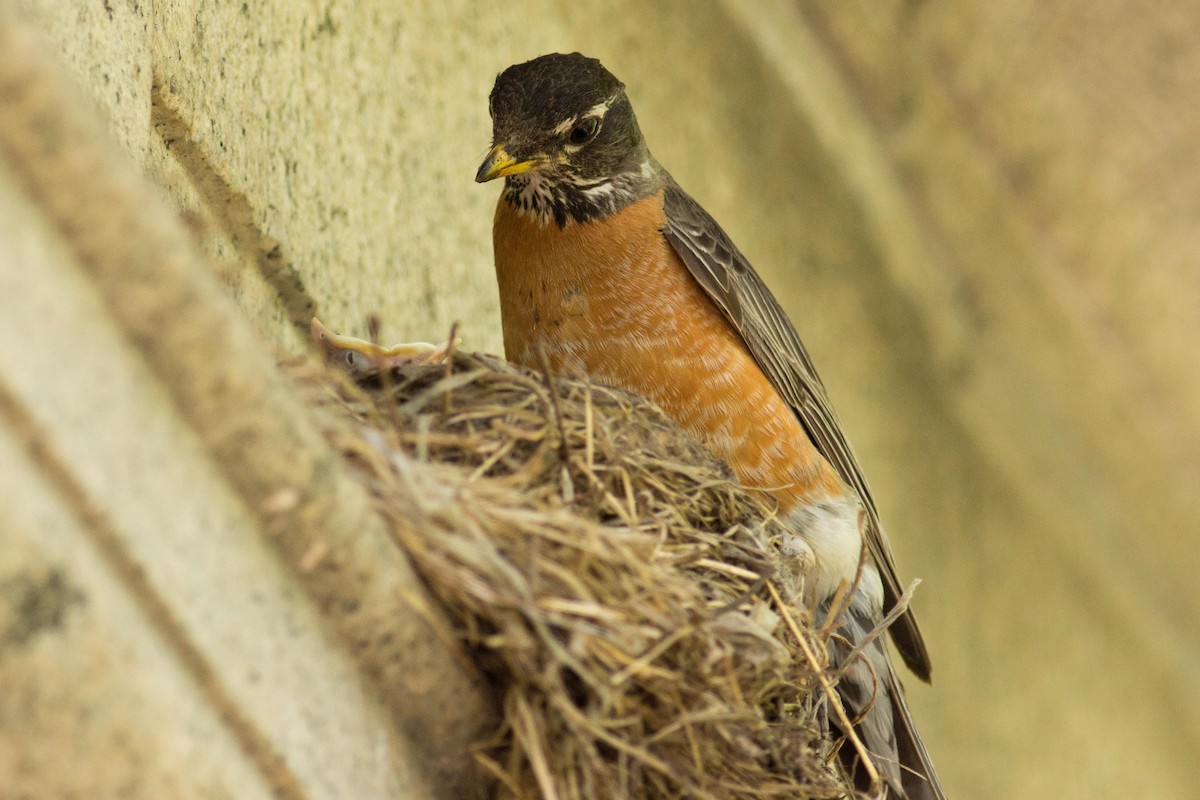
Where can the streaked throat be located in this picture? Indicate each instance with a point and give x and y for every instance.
(563, 197)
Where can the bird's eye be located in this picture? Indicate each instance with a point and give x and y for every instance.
(584, 131)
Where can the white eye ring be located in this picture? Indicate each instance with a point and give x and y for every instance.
(584, 131)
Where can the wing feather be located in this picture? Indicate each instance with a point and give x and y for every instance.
(727, 277)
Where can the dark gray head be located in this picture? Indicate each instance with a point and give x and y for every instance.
(566, 140)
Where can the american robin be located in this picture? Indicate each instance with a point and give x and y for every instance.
(608, 267)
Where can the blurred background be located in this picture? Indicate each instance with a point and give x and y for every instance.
(982, 218)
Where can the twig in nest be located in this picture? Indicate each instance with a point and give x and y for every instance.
(818, 668)
(549, 376)
(449, 363)
(882, 626)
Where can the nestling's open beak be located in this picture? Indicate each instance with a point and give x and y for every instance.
(333, 344)
(360, 357)
(499, 164)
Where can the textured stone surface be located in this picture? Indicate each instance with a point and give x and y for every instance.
(87, 682)
(142, 535)
(1049, 156)
(980, 216)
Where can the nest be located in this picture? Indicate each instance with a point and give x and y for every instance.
(633, 605)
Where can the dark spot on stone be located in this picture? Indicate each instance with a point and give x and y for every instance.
(327, 26)
(36, 604)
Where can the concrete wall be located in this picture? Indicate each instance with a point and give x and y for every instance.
(980, 216)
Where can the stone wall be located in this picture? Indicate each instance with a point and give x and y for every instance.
(980, 216)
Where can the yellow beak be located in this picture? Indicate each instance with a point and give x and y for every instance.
(499, 164)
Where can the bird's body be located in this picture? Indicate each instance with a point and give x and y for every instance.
(612, 300)
(609, 269)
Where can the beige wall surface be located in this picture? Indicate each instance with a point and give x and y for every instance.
(980, 216)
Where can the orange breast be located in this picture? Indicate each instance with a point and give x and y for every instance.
(612, 300)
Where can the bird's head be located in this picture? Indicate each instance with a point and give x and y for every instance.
(565, 137)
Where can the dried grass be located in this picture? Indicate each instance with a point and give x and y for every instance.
(605, 570)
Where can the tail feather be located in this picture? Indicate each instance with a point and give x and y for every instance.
(874, 701)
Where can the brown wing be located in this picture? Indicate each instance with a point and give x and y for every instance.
(732, 283)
